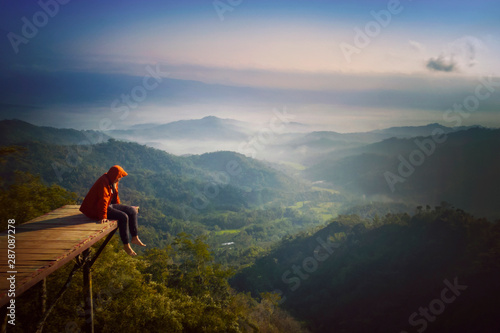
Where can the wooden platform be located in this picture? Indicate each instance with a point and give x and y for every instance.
(45, 244)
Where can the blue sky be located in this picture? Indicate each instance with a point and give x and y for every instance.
(344, 65)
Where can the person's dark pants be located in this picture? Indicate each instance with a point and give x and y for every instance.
(127, 220)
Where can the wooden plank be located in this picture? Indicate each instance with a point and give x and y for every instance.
(27, 245)
(64, 211)
(21, 270)
(43, 237)
(57, 224)
(60, 227)
(35, 246)
(25, 262)
(46, 243)
(47, 252)
(33, 263)
(56, 232)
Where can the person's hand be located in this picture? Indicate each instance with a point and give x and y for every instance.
(104, 221)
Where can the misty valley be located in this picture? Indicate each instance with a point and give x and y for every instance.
(275, 227)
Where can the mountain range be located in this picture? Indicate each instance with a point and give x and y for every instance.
(298, 143)
(211, 128)
(461, 170)
(399, 164)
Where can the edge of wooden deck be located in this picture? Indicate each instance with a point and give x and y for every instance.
(25, 282)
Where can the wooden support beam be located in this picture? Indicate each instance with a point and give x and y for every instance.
(83, 260)
(39, 327)
(43, 296)
(3, 317)
(103, 245)
(87, 294)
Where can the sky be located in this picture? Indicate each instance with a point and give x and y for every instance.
(343, 65)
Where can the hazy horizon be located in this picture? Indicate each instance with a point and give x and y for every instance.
(339, 66)
(252, 125)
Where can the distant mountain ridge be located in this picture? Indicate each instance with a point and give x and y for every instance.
(211, 134)
(461, 170)
(207, 128)
(311, 148)
(414, 131)
(297, 144)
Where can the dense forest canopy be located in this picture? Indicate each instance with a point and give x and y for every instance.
(371, 275)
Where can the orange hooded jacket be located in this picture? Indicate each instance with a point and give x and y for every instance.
(96, 202)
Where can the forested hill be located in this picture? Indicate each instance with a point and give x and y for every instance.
(234, 168)
(223, 178)
(459, 167)
(383, 275)
(17, 131)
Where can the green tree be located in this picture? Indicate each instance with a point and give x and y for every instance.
(27, 197)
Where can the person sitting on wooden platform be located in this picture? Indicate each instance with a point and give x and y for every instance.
(102, 202)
